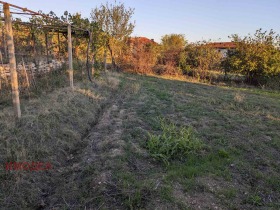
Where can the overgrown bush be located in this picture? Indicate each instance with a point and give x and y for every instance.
(172, 46)
(141, 55)
(198, 59)
(257, 57)
(167, 70)
(173, 142)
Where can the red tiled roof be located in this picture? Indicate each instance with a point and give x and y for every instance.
(142, 40)
(222, 45)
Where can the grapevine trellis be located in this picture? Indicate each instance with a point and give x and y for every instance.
(55, 26)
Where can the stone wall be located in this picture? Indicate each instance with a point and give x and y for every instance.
(42, 67)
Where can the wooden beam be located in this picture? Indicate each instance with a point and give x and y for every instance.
(30, 11)
(58, 42)
(47, 46)
(12, 60)
(4, 41)
(105, 60)
(56, 28)
(70, 58)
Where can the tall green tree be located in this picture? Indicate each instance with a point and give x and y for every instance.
(172, 45)
(173, 42)
(256, 56)
(200, 57)
(80, 39)
(114, 20)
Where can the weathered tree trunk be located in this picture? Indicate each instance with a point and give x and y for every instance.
(4, 42)
(58, 43)
(92, 64)
(12, 60)
(93, 56)
(70, 59)
(112, 56)
(34, 43)
(26, 75)
(75, 48)
(105, 60)
(47, 46)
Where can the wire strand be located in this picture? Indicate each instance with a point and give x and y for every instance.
(32, 13)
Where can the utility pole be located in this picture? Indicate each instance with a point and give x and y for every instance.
(12, 60)
(70, 57)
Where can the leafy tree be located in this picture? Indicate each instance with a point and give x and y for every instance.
(80, 39)
(172, 46)
(256, 56)
(198, 58)
(114, 20)
(40, 36)
(141, 55)
(173, 42)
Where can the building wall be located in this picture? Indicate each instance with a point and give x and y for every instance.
(223, 52)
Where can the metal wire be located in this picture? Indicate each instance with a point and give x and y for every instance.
(32, 13)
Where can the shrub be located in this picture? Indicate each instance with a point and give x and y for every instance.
(198, 58)
(257, 57)
(140, 56)
(173, 143)
(166, 70)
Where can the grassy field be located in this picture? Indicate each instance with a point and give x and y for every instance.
(143, 142)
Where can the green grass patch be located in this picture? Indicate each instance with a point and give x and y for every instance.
(219, 146)
(173, 142)
(197, 165)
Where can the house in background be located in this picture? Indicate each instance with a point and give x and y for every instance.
(137, 43)
(223, 47)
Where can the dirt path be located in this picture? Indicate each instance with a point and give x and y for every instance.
(104, 150)
(86, 178)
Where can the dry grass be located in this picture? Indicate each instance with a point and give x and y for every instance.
(96, 139)
(240, 128)
(51, 129)
(239, 97)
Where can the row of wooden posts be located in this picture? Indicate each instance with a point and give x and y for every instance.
(12, 59)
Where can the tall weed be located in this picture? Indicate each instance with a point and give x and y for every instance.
(173, 143)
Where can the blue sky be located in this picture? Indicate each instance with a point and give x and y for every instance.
(196, 19)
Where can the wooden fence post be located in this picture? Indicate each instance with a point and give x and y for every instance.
(70, 59)
(105, 60)
(47, 46)
(12, 60)
(25, 74)
(58, 43)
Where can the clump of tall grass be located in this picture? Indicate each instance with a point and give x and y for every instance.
(52, 128)
(173, 143)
